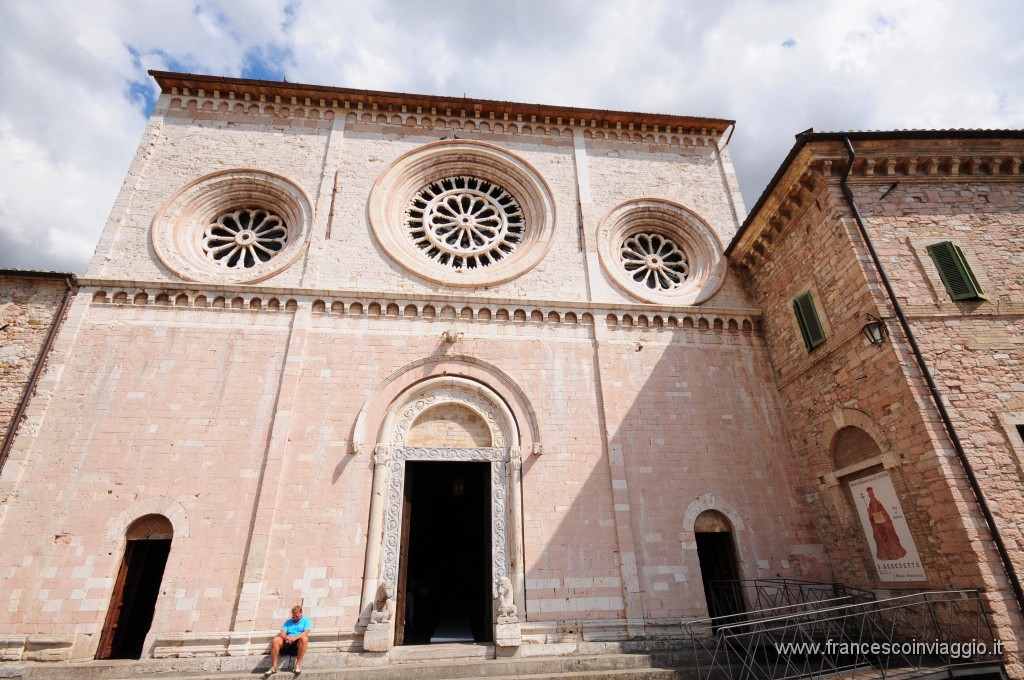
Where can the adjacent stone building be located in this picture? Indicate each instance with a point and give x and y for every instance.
(921, 233)
(449, 369)
(32, 304)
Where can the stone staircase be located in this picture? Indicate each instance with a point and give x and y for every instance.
(434, 662)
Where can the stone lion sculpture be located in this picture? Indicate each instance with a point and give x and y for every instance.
(506, 607)
(383, 604)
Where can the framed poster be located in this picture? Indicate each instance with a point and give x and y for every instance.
(885, 526)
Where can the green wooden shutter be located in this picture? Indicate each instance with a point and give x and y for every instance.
(810, 326)
(955, 272)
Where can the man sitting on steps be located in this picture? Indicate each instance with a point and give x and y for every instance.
(292, 640)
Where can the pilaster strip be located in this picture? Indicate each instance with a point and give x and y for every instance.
(621, 514)
(258, 548)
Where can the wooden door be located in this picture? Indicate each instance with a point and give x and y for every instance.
(720, 573)
(114, 611)
(403, 557)
(133, 601)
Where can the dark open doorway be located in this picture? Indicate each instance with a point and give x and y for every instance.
(719, 570)
(136, 589)
(445, 573)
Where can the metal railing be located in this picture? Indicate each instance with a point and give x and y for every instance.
(912, 635)
(759, 598)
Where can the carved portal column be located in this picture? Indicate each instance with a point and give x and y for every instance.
(375, 532)
(515, 534)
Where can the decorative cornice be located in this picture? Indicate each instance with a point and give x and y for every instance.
(433, 123)
(780, 210)
(878, 160)
(213, 95)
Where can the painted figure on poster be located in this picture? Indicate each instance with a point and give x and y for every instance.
(887, 543)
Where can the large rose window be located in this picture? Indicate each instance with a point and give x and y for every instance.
(463, 213)
(464, 222)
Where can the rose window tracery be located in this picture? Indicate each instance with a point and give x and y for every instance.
(233, 226)
(244, 238)
(464, 222)
(654, 261)
(661, 252)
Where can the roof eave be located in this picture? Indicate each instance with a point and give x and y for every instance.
(806, 137)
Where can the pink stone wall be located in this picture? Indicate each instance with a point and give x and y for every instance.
(152, 406)
(249, 414)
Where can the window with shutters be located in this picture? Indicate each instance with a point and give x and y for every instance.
(956, 274)
(810, 325)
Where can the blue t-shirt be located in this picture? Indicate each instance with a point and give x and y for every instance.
(293, 628)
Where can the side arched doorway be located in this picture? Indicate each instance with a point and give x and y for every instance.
(136, 588)
(719, 566)
(447, 495)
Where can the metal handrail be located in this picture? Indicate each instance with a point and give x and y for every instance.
(926, 631)
(754, 595)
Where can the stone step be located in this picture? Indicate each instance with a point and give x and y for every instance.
(409, 665)
(337, 674)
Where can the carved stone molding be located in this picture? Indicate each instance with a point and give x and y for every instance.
(904, 161)
(451, 453)
(499, 494)
(450, 394)
(381, 454)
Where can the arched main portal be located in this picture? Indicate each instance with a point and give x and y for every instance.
(443, 436)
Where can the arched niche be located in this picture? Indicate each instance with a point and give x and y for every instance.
(851, 445)
(150, 528)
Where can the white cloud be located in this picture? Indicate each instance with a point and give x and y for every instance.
(70, 119)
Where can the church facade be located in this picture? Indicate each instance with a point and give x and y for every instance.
(460, 370)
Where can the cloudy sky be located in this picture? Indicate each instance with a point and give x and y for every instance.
(75, 96)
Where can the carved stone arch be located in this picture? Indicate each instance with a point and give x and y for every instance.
(367, 428)
(711, 501)
(432, 392)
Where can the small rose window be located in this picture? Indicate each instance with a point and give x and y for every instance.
(240, 239)
(233, 226)
(654, 261)
(660, 252)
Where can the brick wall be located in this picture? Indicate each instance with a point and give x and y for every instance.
(971, 348)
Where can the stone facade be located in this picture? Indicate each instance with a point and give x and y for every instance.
(267, 416)
(498, 288)
(911, 190)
